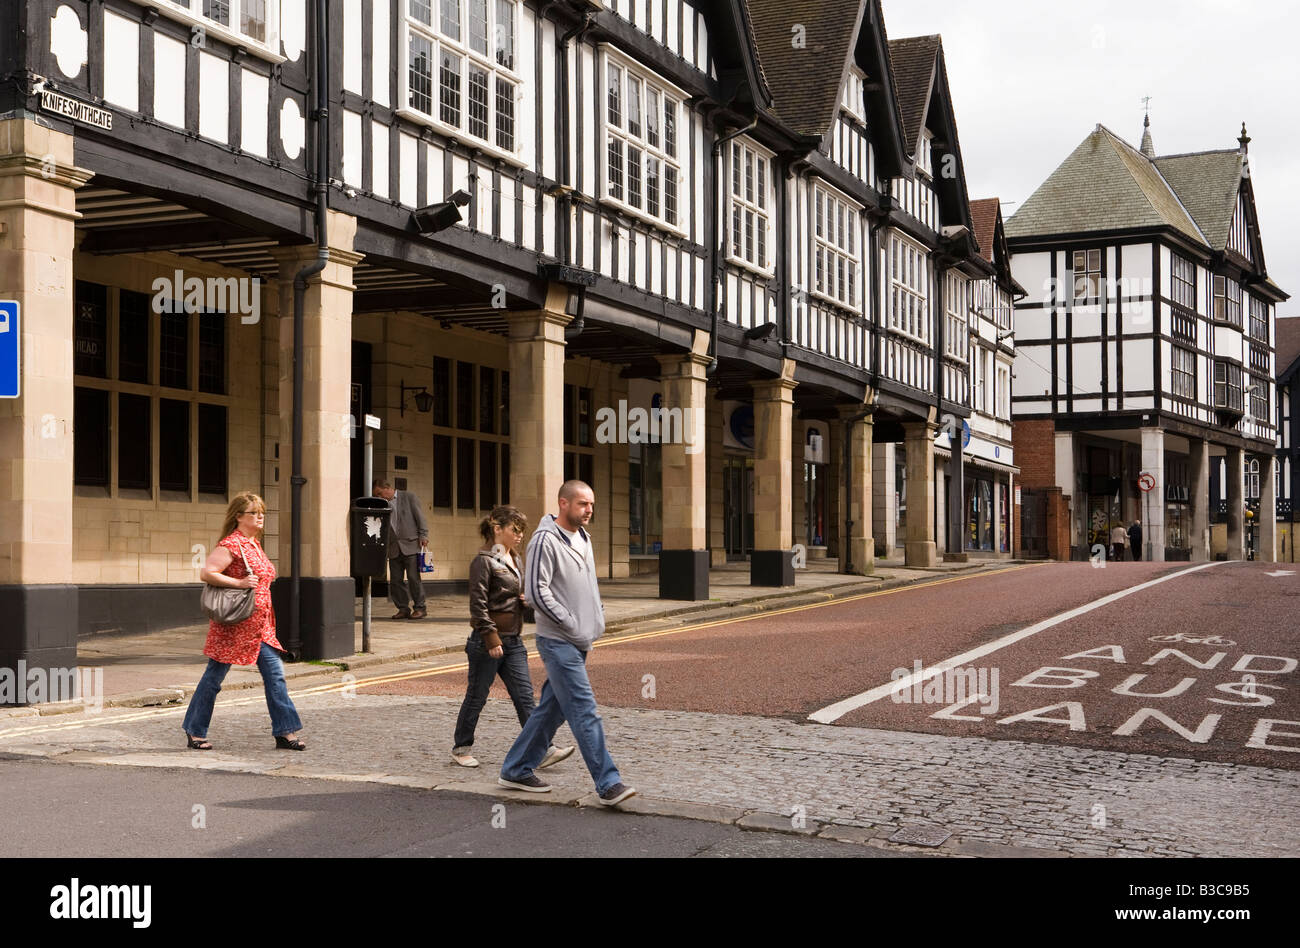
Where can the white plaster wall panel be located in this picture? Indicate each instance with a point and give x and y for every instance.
(509, 191)
(671, 290)
(169, 80)
(671, 39)
(547, 240)
(459, 173)
(657, 19)
(122, 61)
(379, 159)
(688, 33)
(1032, 408)
(529, 125)
(254, 96)
(590, 108)
(588, 239)
(214, 97)
(293, 28)
(408, 170)
(1032, 271)
(1087, 322)
(1137, 367)
(638, 275)
(1136, 317)
(483, 185)
(1087, 404)
(640, 15)
(1033, 374)
(1112, 367)
(701, 43)
(699, 283)
(527, 227)
(1136, 260)
(352, 58)
(623, 8)
(1164, 271)
(703, 154)
(381, 75)
(352, 163)
(433, 170)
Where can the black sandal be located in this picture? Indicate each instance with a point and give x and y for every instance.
(197, 743)
(284, 743)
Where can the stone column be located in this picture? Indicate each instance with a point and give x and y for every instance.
(919, 440)
(327, 598)
(38, 591)
(713, 451)
(1267, 548)
(1199, 500)
(772, 561)
(858, 549)
(684, 559)
(1152, 503)
(1235, 476)
(537, 406)
(884, 507)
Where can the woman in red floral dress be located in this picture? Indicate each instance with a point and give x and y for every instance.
(252, 640)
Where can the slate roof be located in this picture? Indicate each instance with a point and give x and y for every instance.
(913, 61)
(1105, 184)
(805, 83)
(1288, 342)
(984, 217)
(1207, 182)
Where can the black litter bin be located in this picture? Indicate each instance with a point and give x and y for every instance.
(368, 536)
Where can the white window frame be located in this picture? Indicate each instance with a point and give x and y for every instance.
(831, 247)
(432, 33)
(753, 156)
(1187, 372)
(852, 95)
(956, 329)
(650, 85)
(268, 49)
(1091, 279)
(1002, 408)
(909, 279)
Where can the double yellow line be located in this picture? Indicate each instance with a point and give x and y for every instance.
(358, 683)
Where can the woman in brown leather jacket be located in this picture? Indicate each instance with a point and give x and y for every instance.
(494, 647)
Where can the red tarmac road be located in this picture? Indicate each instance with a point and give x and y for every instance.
(811, 658)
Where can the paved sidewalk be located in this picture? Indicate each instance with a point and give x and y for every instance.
(162, 668)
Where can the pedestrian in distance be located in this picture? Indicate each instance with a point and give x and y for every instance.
(560, 584)
(494, 647)
(1118, 540)
(408, 537)
(239, 562)
(1135, 539)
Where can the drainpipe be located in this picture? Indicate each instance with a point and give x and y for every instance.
(715, 263)
(321, 189)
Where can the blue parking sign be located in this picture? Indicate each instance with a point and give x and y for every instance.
(11, 350)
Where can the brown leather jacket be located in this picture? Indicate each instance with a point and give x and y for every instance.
(495, 583)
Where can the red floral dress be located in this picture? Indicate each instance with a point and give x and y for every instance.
(240, 644)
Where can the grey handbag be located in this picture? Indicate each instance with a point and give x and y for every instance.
(226, 604)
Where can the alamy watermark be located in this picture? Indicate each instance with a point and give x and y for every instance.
(241, 296)
(623, 425)
(949, 687)
(37, 685)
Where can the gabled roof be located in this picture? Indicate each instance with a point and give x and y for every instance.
(1288, 344)
(1207, 183)
(805, 81)
(1105, 184)
(914, 61)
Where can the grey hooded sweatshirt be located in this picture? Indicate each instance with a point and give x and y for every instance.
(560, 585)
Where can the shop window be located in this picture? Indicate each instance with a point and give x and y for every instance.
(174, 446)
(91, 445)
(133, 338)
(465, 473)
(465, 396)
(91, 354)
(442, 392)
(134, 425)
(442, 471)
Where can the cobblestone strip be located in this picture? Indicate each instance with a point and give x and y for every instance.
(855, 784)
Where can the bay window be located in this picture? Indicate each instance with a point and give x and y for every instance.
(909, 288)
(460, 69)
(641, 169)
(835, 248)
(750, 206)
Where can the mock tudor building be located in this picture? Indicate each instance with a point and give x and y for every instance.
(235, 229)
(1145, 349)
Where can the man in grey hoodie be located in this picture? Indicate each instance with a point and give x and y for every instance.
(560, 585)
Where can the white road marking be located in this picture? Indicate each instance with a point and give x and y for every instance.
(834, 712)
(1280, 572)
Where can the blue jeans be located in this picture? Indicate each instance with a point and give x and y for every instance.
(284, 717)
(512, 666)
(566, 696)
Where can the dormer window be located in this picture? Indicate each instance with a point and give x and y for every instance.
(924, 157)
(851, 97)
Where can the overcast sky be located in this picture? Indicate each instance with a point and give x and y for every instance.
(1031, 79)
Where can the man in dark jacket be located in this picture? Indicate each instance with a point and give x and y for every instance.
(1135, 539)
(408, 536)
